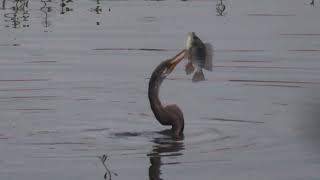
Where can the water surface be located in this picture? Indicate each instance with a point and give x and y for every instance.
(73, 87)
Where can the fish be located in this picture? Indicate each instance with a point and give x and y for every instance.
(199, 57)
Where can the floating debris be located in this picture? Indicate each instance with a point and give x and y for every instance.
(108, 174)
(220, 8)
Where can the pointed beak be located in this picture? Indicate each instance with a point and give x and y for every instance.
(175, 60)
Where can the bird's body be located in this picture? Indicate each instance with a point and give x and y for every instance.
(169, 115)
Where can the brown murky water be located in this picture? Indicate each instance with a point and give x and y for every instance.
(73, 88)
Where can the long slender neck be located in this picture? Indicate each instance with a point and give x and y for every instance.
(162, 114)
(153, 94)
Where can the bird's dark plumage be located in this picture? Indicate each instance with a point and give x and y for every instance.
(169, 115)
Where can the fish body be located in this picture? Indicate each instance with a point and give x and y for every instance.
(199, 55)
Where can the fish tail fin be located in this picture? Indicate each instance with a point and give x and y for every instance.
(209, 57)
(189, 68)
(198, 76)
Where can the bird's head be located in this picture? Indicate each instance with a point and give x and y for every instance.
(170, 64)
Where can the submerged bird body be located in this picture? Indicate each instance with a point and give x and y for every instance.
(169, 115)
(199, 55)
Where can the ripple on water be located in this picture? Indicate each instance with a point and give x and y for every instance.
(190, 141)
(270, 14)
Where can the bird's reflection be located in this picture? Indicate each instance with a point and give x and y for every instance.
(18, 16)
(165, 146)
